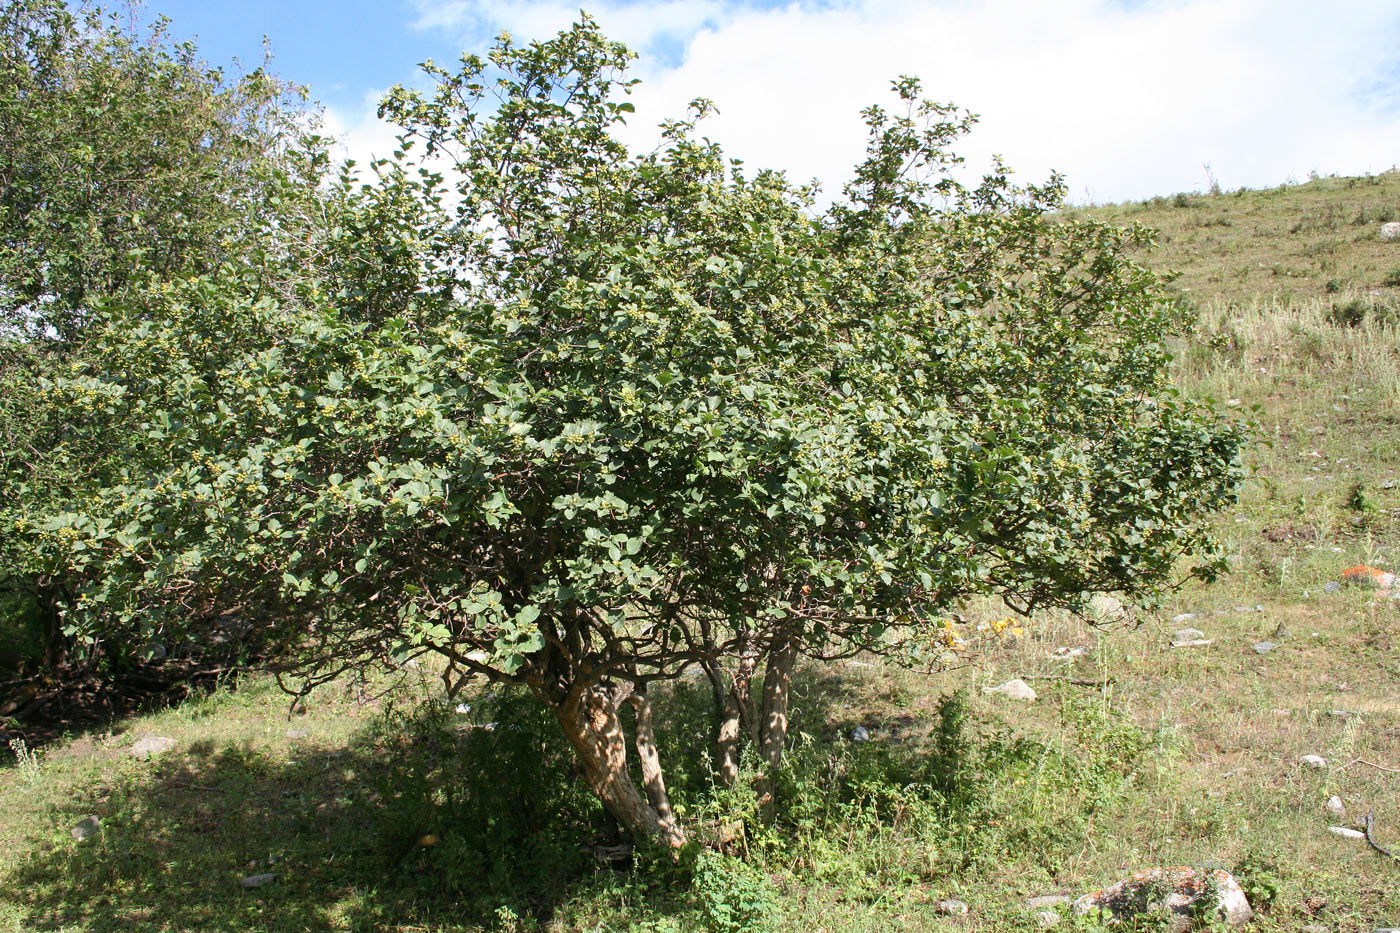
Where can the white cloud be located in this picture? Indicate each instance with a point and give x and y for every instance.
(641, 24)
(1127, 99)
(360, 134)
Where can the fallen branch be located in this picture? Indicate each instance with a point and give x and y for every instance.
(609, 854)
(1370, 817)
(1363, 761)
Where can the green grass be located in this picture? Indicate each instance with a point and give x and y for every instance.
(1287, 244)
(1177, 756)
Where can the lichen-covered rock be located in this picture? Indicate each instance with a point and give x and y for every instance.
(1189, 896)
(1362, 575)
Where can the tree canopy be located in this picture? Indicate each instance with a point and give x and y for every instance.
(581, 419)
(126, 162)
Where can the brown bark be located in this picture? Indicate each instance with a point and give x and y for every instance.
(773, 717)
(735, 719)
(650, 760)
(590, 721)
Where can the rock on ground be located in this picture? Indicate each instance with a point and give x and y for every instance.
(1346, 832)
(148, 745)
(951, 907)
(1312, 761)
(257, 881)
(1015, 689)
(1362, 575)
(1046, 919)
(1189, 638)
(87, 827)
(1335, 806)
(1106, 607)
(1390, 232)
(1175, 891)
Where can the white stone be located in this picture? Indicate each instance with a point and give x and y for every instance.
(1313, 761)
(1264, 647)
(1390, 231)
(860, 734)
(1105, 606)
(1346, 832)
(1183, 617)
(1189, 638)
(1015, 689)
(148, 745)
(951, 906)
(1335, 806)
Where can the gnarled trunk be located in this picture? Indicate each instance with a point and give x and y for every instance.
(589, 718)
(735, 719)
(649, 758)
(773, 716)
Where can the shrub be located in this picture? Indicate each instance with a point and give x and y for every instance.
(734, 896)
(1375, 309)
(586, 423)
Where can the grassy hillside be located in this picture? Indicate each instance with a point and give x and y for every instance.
(1287, 244)
(376, 813)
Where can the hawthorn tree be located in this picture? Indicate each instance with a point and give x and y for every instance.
(580, 420)
(125, 160)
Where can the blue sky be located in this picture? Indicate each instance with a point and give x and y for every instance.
(1129, 98)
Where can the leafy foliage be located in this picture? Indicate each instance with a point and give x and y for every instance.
(581, 419)
(124, 159)
(126, 163)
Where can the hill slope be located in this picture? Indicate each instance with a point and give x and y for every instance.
(1277, 244)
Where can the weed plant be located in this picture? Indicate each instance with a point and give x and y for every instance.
(455, 822)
